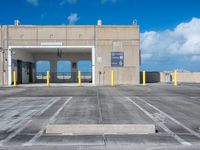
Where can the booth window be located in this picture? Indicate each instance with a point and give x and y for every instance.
(63, 69)
(85, 67)
(42, 66)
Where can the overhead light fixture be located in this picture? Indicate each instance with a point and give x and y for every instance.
(59, 53)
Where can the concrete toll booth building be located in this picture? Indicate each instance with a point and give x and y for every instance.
(108, 48)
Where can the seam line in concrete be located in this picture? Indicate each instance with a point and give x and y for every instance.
(164, 127)
(99, 107)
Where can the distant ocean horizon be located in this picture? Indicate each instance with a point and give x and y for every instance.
(64, 66)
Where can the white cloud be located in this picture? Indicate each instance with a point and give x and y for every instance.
(183, 40)
(63, 2)
(33, 2)
(73, 18)
(195, 58)
(105, 1)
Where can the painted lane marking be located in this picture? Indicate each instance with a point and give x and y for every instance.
(171, 118)
(26, 113)
(24, 123)
(196, 99)
(162, 125)
(52, 102)
(52, 119)
(14, 133)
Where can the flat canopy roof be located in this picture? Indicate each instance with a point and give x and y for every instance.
(54, 49)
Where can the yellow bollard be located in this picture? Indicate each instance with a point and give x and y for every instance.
(112, 78)
(175, 78)
(79, 78)
(144, 77)
(48, 79)
(14, 78)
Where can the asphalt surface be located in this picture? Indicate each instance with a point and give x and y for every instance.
(26, 112)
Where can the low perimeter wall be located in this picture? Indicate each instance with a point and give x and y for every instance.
(154, 77)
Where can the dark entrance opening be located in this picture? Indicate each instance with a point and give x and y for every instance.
(30, 72)
(19, 72)
(74, 72)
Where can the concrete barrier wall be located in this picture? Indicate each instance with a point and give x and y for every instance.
(188, 77)
(124, 75)
(164, 77)
(1, 69)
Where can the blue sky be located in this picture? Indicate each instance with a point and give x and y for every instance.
(170, 29)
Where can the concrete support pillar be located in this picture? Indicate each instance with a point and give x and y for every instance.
(9, 67)
(93, 66)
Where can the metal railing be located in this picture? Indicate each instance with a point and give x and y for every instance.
(63, 77)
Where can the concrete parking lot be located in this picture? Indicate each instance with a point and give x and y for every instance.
(26, 112)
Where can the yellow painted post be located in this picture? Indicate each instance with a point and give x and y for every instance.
(14, 78)
(144, 77)
(112, 78)
(175, 78)
(48, 79)
(79, 78)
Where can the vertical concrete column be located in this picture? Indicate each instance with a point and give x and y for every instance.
(93, 66)
(4, 78)
(9, 66)
(1, 67)
(53, 69)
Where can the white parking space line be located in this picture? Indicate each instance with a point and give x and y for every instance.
(14, 117)
(197, 99)
(17, 123)
(162, 125)
(52, 102)
(51, 120)
(14, 133)
(171, 118)
(21, 123)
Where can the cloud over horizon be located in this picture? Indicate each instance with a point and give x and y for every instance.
(73, 18)
(105, 1)
(63, 2)
(33, 2)
(172, 46)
